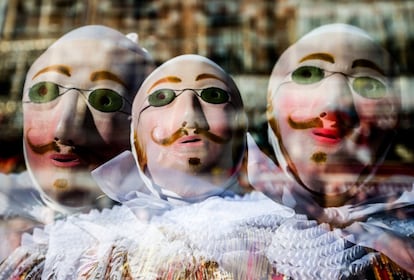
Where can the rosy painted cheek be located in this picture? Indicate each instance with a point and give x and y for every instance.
(221, 124)
(40, 125)
(283, 110)
(148, 128)
(298, 109)
(38, 135)
(222, 130)
(284, 100)
(160, 133)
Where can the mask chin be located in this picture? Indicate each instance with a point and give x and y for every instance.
(75, 200)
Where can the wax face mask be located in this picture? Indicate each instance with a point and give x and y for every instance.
(332, 106)
(185, 125)
(77, 103)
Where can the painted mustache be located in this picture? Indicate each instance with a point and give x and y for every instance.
(43, 148)
(83, 152)
(343, 122)
(306, 124)
(182, 131)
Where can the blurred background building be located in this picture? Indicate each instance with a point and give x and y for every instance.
(243, 36)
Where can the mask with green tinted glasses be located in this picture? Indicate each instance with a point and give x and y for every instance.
(365, 86)
(104, 100)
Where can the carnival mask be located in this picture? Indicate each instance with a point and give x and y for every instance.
(186, 126)
(77, 102)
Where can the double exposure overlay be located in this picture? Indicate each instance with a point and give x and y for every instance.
(206, 139)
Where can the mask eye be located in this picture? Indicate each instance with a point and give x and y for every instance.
(369, 87)
(105, 100)
(43, 92)
(161, 97)
(214, 95)
(307, 75)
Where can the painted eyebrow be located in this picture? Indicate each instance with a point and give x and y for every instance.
(63, 69)
(208, 76)
(368, 64)
(106, 75)
(168, 79)
(320, 56)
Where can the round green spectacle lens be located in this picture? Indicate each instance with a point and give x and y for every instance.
(369, 87)
(214, 95)
(161, 97)
(43, 92)
(307, 75)
(105, 100)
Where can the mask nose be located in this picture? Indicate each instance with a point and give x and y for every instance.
(338, 92)
(189, 111)
(340, 101)
(74, 119)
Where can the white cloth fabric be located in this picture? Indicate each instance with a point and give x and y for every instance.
(19, 198)
(248, 237)
(21, 209)
(221, 237)
(388, 217)
(132, 182)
